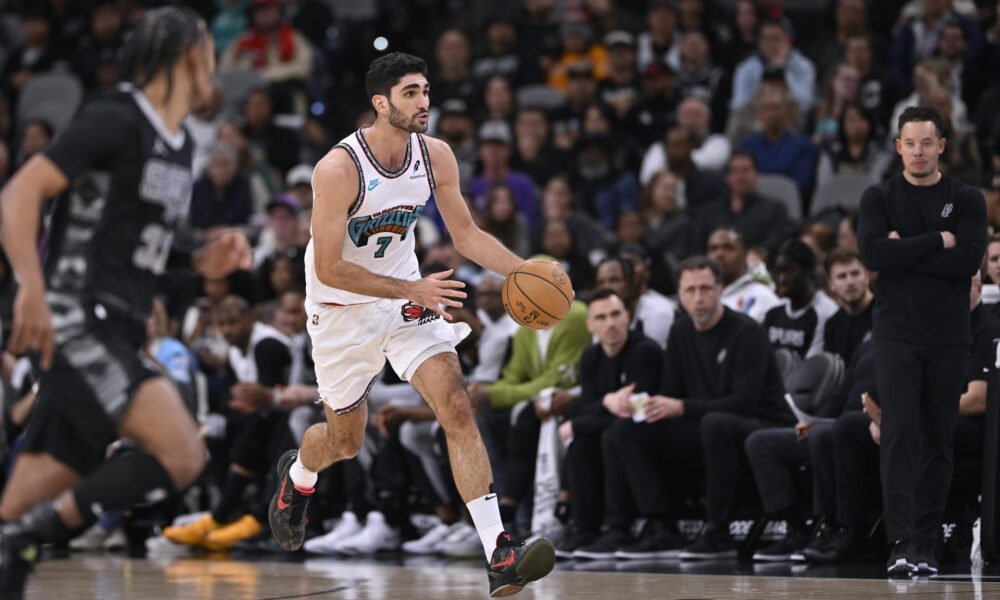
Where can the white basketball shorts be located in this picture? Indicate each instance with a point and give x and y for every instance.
(351, 344)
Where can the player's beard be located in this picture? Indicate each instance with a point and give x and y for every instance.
(408, 124)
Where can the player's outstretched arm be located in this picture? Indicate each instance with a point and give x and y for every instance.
(20, 210)
(335, 188)
(471, 241)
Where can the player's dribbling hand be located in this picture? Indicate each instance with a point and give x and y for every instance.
(436, 290)
(32, 329)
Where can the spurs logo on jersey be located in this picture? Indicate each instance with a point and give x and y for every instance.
(380, 220)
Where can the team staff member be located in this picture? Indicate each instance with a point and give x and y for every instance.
(925, 233)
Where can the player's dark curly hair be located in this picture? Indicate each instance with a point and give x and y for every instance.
(160, 38)
(919, 114)
(386, 71)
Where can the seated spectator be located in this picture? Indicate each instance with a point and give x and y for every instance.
(879, 88)
(603, 190)
(701, 186)
(279, 144)
(501, 219)
(698, 78)
(501, 56)
(498, 100)
(539, 359)
(840, 89)
(651, 313)
(273, 48)
(720, 382)
(576, 46)
(712, 149)
(778, 149)
(621, 89)
(264, 181)
(495, 147)
(744, 27)
(850, 17)
(932, 77)
(619, 356)
(741, 292)
(659, 44)
(776, 53)
(654, 278)
(918, 36)
(258, 361)
(37, 54)
(850, 284)
(856, 148)
(36, 134)
(229, 23)
(799, 322)
(452, 77)
(105, 38)
(534, 153)
(776, 455)
(298, 185)
(657, 107)
(222, 195)
(281, 231)
(557, 205)
(497, 330)
(667, 230)
(567, 120)
(760, 221)
(969, 79)
(600, 120)
(456, 128)
(561, 243)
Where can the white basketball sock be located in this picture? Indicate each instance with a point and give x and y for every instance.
(303, 478)
(485, 513)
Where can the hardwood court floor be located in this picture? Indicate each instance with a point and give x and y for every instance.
(118, 578)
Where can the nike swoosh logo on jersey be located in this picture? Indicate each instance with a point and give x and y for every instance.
(372, 184)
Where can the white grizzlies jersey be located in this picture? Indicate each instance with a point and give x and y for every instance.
(380, 223)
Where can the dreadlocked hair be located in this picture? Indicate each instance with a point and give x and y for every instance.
(158, 41)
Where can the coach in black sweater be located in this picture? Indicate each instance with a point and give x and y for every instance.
(720, 383)
(925, 233)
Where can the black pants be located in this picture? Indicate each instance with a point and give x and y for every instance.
(919, 387)
(585, 473)
(522, 453)
(657, 455)
(776, 455)
(854, 462)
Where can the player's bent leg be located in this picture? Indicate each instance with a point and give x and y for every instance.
(511, 566)
(36, 477)
(323, 444)
(162, 426)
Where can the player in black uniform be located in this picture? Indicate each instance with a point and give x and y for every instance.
(925, 233)
(125, 166)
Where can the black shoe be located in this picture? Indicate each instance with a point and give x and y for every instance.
(901, 560)
(605, 546)
(655, 541)
(287, 512)
(841, 544)
(713, 543)
(925, 559)
(514, 566)
(17, 555)
(784, 549)
(574, 540)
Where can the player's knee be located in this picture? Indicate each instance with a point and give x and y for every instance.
(456, 411)
(347, 445)
(187, 464)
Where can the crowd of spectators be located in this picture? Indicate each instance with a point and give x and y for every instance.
(669, 154)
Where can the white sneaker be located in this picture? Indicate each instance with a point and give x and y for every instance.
(115, 542)
(375, 537)
(327, 544)
(90, 540)
(456, 533)
(427, 543)
(469, 546)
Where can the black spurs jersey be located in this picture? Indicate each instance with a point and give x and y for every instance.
(112, 231)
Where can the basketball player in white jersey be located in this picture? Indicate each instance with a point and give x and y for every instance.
(367, 303)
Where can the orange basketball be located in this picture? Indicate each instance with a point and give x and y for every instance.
(537, 294)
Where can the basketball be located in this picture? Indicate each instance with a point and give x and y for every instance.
(537, 294)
